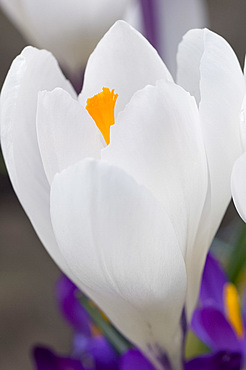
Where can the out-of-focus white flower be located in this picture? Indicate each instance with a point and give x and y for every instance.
(131, 225)
(69, 28)
(174, 19)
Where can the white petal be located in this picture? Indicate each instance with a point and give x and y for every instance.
(31, 71)
(66, 132)
(119, 242)
(238, 186)
(222, 90)
(196, 257)
(157, 140)
(190, 53)
(243, 123)
(125, 61)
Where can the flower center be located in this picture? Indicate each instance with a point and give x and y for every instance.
(101, 109)
(232, 308)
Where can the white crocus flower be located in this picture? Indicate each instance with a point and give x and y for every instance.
(130, 225)
(209, 69)
(69, 28)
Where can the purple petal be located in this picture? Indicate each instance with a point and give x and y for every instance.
(70, 306)
(217, 361)
(79, 345)
(45, 359)
(133, 359)
(198, 327)
(212, 286)
(104, 355)
(211, 326)
(95, 350)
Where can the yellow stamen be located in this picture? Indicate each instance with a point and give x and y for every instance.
(95, 330)
(232, 306)
(101, 108)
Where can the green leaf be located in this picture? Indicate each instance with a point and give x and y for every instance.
(120, 343)
(193, 346)
(237, 259)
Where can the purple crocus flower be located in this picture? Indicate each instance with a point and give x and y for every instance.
(218, 321)
(216, 361)
(46, 359)
(70, 306)
(90, 352)
(133, 359)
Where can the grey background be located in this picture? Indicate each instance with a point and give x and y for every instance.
(28, 312)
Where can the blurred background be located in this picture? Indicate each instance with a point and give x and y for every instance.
(28, 310)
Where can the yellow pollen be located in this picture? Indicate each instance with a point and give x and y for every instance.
(232, 307)
(101, 108)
